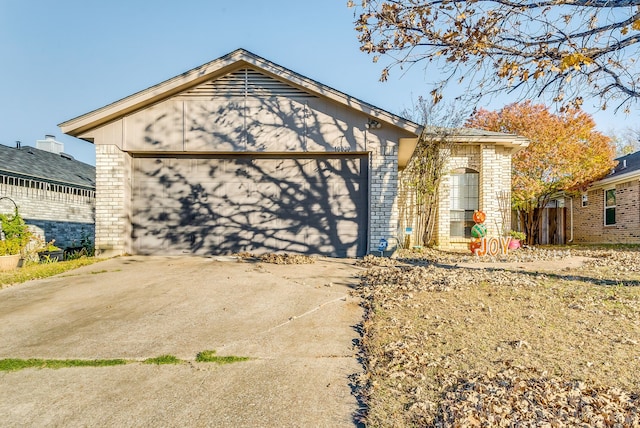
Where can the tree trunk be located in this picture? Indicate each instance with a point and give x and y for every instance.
(530, 222)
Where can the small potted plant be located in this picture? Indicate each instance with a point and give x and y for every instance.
(516, 237)
(14, 237)
(51, 253)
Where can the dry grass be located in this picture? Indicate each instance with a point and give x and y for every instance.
(478, 347)
(287, 259)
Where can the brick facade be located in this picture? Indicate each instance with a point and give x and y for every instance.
(113, 182)
(493, 163)
(383, 194)
(588, 221)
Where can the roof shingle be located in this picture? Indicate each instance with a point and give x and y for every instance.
(30, 162)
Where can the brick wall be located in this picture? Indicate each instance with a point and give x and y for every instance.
(60, 216)
(588, 222)
(112, 200)
(383, 194)
(461, 156)
(494, 165)
(495, 183)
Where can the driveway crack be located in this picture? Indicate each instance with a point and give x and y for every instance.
(342, 298)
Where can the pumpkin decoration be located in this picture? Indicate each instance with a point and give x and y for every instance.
(478, 231)
(479, 217)
(475, 245)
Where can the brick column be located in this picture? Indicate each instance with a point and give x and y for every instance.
(112, 194)
(384, 194)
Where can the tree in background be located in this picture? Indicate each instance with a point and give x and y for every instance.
(626, 141)
(565, 153)
(569, 49)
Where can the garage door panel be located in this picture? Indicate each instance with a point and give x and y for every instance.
(164, 217)
(164, 240)
(223, 204)
(345, 231)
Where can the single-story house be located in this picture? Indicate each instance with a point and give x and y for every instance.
(54, 193)
(241, 154)
(609, 211)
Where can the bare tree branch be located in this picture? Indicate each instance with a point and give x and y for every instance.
(566, 50)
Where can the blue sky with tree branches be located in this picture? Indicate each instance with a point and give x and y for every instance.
(61, 59)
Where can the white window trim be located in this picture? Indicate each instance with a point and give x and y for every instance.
(585, 199)
(461, 172)
(604, 219)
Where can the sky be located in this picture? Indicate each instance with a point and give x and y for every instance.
(60, 59)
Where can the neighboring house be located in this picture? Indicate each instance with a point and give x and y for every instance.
(609, 211)
(54, 192)
(241, 154)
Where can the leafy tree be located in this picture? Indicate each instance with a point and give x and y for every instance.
(565, 154)
(571, 49)
(421, 178)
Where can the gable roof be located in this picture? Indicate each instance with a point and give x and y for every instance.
(31, 163)
(200, 80)
(237, 59)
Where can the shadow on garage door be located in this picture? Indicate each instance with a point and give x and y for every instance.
(257, 203)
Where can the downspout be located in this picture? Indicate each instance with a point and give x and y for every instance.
(571, 219)
(369, 192)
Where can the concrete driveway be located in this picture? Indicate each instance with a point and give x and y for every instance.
(295, 322)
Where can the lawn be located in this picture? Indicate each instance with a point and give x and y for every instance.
(450, 346)
(42, 270)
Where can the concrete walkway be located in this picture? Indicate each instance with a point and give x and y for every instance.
(295, 322)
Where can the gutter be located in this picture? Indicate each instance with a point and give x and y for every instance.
(20, 175)
(627, 176)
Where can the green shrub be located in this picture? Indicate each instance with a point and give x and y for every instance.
(11, 246)
(15, 232)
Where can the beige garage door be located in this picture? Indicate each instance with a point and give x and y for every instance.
(257, 203)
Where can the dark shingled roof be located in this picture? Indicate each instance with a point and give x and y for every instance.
(29, 162)
(626, 164)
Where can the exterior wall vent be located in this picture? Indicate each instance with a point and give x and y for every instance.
(245, 83)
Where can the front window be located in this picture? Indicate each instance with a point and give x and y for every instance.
(464, 201)
(585, 200)
(610, 207)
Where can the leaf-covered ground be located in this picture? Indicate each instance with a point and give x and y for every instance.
(449, 346)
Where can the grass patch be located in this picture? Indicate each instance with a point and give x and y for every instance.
(211, 357)
(436, 342)
(12, 364)
(163, 359)
(38, 271)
